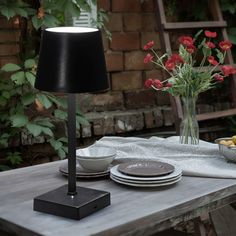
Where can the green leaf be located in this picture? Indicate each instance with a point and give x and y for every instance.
(220, 56)
(55, 144)
(44, 100)
(6, 94)
(81, 121)
(28, 98)
(19, 120)
(14, 157)
(50, 20)
(18, 78)
(44, 122)
(61, 153)
(7, 12)
(60, 114)
(10, 67)
(37, 23)
(34, 129)
(22, 12)
(29, 63)
(47, 131)
(30, 78)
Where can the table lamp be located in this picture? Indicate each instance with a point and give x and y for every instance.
(71, 60)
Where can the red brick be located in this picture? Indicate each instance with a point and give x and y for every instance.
(115, 22)
(148, 6)
(139, 99)
(162, 98)
(168, 117)
(105, 42)
(154, 74)
(132, 22)
(151, 36)
(5, 60)
(148, 22)
(126, 5)
(12, 23)
(103, 4)
(9, 36)
(126, 80)
(134, 61)
(125, 41)
(114, 61)
(9, 49)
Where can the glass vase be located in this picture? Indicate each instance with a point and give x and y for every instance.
(189, 129)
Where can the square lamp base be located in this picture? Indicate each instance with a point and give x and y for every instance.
(85, 202)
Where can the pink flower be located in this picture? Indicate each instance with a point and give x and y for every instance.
(186, 40)
(228, 70)
(170, 64)
(210, 44)
(219, 78)
(225, 45)
(148, 83)
(168, 85)
(148, 58)
(177, 59)
(190, 49)
(148, 45)
(210, 34)
(212, 61)
(158, 84)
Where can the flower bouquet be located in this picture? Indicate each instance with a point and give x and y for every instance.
(197, 67)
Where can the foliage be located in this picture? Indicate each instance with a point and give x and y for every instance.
(184, 78)
(23, 108)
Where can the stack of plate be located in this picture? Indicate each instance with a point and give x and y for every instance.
(146, 173)
(82, 173)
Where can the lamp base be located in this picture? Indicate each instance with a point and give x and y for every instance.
(85, 202)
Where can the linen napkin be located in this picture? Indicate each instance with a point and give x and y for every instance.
(202, 160)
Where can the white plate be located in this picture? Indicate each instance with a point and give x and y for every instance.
(114, 171)
(82, 173)
(146, 185)
(147, 181)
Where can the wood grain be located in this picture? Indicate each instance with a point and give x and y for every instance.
(133, 211)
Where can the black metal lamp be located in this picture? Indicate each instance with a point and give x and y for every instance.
(71, 60)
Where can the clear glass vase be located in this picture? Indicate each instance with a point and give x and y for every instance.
(189, 129)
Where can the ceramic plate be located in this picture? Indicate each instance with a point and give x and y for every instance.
(146, 185)
(146, 168)
(82, 173)
(114, 171)
(147, 181)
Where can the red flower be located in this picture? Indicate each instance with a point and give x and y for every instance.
(158, 84)
(228, 70)
(148, 45)
(210, 34)
(212, 61)
(210, 44)
(176, 58)
(170, 64)
(168, 85)
(190, 49)
(225, 45)
(148, 83)
(186, 40)
(219, 78)
(148, 58)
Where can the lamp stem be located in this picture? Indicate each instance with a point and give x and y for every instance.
(71, 127)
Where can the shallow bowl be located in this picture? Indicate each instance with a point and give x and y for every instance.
(228, 152)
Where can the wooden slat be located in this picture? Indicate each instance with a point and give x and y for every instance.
(224, 221)
(216, 114)
(193, 25)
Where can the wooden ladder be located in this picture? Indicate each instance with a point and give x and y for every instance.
(165, 27)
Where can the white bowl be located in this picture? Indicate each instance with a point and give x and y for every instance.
(95, 158)
(95, 152)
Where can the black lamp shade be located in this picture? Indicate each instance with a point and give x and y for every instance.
(71, 60)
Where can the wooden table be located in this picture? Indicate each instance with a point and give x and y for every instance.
(133, 211)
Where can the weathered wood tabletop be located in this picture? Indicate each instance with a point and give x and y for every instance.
(133, 211)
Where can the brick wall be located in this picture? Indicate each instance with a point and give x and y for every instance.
(128, 106)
